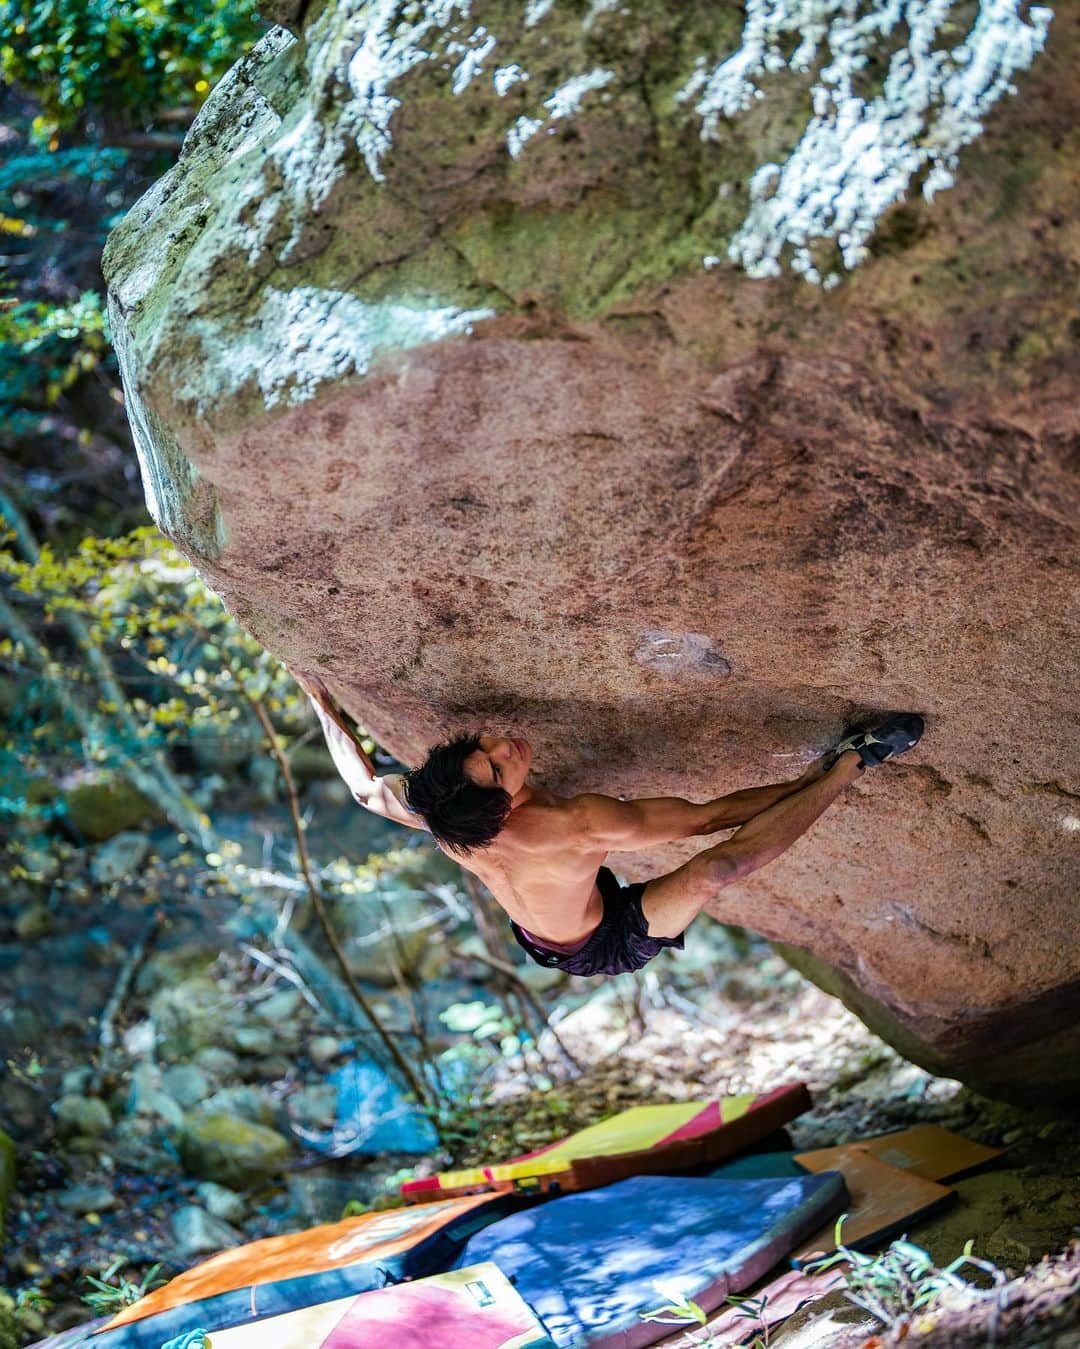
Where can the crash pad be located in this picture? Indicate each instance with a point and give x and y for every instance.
(589, 1264)
(302, 1269)
(754, 1316)
(759, 1166)
(647, 1139)
(472, 1308)
(884, 1200)
(929, 1151)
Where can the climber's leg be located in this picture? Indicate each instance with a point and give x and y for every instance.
(670, 902)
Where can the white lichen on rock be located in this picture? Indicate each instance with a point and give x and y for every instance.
(564, 102)
(302, 338)
(522, 130)
(389, 49)
(535, 10)
(473, 55)
(506, 77)
(858, 155)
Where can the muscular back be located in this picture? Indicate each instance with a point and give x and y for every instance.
(542, 869)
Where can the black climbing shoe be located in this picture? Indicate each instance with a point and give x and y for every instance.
(898, 733)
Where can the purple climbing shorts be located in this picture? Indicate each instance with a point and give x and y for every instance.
(621, 942)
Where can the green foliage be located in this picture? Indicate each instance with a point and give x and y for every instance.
(679, 1310)
(21, 1316)
(139, 56)
(92, 163)
(107, 1297)
(44, 349)
(901, 1280)
(184, 661)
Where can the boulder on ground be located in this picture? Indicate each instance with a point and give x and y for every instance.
(98, 810)
(82, 1117)
(198, 1232)
(119, 858)
(604, 377)
(231, 1151)
(189, 1016)
(221, 1202)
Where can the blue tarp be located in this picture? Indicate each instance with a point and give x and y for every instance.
(373, 1116)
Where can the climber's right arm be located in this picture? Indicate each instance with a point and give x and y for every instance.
(381, 795)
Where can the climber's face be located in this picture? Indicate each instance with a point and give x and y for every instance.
(500, 762)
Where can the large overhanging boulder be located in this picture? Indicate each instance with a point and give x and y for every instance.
(670, 384)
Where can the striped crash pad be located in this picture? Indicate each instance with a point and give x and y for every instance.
(302, 1269)
(648, 1139)
(590, 1264)
(473, 1308)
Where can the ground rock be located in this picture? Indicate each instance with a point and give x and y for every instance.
(82, 1116)
(35, 921)
(189, 1016)
(86, 1199)
(218, 1062)
(231, 1151)
(324, 1049)
(221, 1202)
(99, 810)
(42, 865)
(314, 1107)
(493, 387)
(322, 1199)
(197, 1231)
(186, 1084)
(119, 858)
(255, 1040)
(250, 1103)
(147, 1095)
(281, 1005)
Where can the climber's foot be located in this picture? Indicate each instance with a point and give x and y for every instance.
(898, 733)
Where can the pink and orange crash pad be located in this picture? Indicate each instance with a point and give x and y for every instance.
(645, 1140)
(472, 1308)
(322, 1264)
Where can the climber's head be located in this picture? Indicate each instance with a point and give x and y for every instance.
(467, 787)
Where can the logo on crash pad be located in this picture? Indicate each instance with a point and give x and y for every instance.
(386, 1227)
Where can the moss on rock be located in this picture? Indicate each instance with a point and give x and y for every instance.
(231, 1151)
(99, 810)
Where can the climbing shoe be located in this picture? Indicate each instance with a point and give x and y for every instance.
(898, 733)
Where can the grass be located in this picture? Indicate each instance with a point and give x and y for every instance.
(107, 1297)
(903, 1279)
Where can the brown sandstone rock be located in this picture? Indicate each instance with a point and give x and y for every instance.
(675, 525)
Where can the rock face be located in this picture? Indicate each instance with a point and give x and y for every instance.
(602, 373)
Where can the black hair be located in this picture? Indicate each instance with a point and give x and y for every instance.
(460, 814)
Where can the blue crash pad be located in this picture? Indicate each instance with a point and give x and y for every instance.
(588, 1264)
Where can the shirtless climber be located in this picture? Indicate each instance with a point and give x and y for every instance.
(542, 855)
